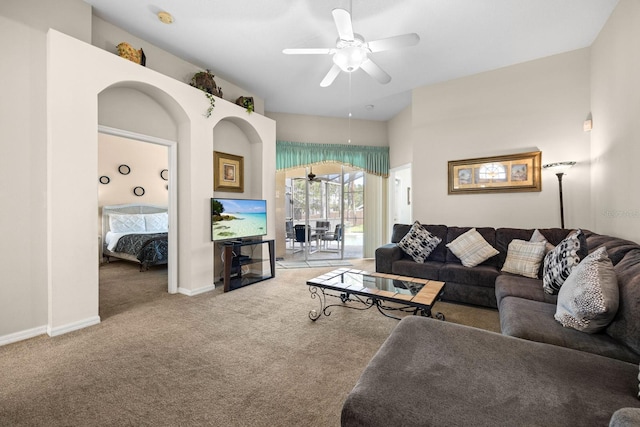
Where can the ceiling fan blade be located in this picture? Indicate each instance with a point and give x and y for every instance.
(331, 76)
(395, 42)
(375, 71)
(310, 51)
(343, 23)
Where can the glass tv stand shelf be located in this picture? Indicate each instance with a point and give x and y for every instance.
(245, 262)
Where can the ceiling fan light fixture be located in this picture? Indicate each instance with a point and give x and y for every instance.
(349, 59)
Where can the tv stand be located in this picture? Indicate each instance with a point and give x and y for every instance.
(234, 260)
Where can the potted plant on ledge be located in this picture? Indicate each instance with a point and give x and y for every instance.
(204, 81)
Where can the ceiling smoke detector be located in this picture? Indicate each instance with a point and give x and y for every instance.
(165, 17)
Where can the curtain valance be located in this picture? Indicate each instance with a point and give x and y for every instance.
(374, 160)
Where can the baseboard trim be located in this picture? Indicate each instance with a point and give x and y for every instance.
(194, 292)
(22, 335)
(70, 327)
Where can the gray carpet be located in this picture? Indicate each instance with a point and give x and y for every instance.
(250, 357)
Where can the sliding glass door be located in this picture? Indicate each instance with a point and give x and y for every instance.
(324, 211)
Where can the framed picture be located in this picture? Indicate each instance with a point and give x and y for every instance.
(513, 172)
(228, 172)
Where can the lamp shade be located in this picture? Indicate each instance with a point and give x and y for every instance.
(559, 167)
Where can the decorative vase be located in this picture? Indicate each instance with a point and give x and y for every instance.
(125, 50)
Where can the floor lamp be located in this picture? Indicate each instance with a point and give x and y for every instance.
(559, 168)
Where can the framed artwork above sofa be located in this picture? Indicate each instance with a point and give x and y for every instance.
(508, 173)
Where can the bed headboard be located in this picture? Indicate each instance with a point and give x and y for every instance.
(130, 208)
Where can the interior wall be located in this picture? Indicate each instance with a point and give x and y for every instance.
(123, 107)
(329, 130)
(77, 73)
(107, 36)
(615, 147)
(23, 156)
(400, 131)
(145, 160)
(538, 105)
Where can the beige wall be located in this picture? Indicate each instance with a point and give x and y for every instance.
(538, 105)
(23, 155)
(400, 143)
(329, 130)
(145, 160)
(615, 144)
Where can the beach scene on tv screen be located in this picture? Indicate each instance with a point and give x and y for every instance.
(238, 218)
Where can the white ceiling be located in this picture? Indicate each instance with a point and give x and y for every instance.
(242, 42)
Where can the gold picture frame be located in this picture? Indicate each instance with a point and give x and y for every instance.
(508, 173)
(228, 172)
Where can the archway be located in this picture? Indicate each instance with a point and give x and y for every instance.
(77, 73)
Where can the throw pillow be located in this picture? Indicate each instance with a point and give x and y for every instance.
(524, 258)
(588, 299)
(126, 223)
(418, 242)
(537, 236)
(559, 262)
(471, 248)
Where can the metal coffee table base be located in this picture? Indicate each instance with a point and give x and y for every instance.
(365, 303)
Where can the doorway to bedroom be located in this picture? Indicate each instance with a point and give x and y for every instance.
(134, 200)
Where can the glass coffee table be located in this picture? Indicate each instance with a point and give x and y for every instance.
(362, 290)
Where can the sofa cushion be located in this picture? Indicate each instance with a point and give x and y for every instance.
(432, 373)
(588, 299)
(625, 417)
(481, 275)
(533, 320)
(559, 262)
(426, 270)
(471, 248)
(616, 248)
(524, 258)
(522, 287)
(418, 243)
(625, 326)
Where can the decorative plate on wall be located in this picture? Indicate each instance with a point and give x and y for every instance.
(138, 191)
(124, 169)
(104, 179)
(164, 174)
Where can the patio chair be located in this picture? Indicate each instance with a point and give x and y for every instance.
(335, 236)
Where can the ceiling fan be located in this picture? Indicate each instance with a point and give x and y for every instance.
(352, 51)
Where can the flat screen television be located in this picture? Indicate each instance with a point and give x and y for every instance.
(235, 219)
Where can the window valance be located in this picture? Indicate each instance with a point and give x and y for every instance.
(374, 160)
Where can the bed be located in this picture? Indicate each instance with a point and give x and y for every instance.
(137, 233)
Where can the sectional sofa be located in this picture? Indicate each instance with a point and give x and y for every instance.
(537, 372)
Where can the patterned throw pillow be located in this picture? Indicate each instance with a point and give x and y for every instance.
(471, 248)
(559, 262)
(524, 258)
(418, 242)
(588, 299)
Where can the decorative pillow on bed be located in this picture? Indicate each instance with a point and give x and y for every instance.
(418, 242)
(588, 300)
(524, 258)
(126, 223)
(471, 248)
(559, 262)
(156, 222)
